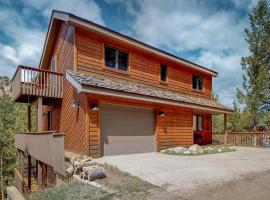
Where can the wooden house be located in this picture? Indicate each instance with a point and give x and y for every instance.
(110, 94)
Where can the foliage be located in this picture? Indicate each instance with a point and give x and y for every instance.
(12, 119)
(256, 66)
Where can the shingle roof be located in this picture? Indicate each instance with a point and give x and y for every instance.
(141, 89)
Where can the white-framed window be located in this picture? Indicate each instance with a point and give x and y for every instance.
(197, 122)
(116, 58)
(197, 82)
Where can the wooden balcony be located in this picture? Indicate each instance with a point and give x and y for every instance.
(29, 83)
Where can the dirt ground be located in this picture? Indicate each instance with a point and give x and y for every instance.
(255, 186)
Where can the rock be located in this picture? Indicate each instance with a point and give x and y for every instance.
(70, 170)
(196, 149)
(87, 159)
(85, 164)
(96, 172)
(187, 152)
(179, 149)
(75, 158)
(219, 150)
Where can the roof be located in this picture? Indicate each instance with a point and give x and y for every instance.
(129, 87)
(78, 21)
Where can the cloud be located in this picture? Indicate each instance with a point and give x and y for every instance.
(24, 29)
(83, 8)
(212, 29)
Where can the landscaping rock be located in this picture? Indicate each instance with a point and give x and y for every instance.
(187, 152)
(219, 150)
(179, 149)
(70, 171)
(196, 149)
(96, 172)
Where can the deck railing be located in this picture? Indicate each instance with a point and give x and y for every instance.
(47, 147)
(256, 139)
(36, 82)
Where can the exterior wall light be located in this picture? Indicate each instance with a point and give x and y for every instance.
(161, 113)
(94, 107)
(75, 104)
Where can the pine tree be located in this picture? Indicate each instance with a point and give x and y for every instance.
(256, 66)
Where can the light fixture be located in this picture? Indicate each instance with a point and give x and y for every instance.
(94, 107)
(161, 113)
(75, 104)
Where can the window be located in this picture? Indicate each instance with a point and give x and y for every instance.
(197, 82)
(115, 58)
(163, 72)
(197, 123)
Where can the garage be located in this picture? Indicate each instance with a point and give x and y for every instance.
(126, 130)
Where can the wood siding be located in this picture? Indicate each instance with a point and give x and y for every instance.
(174, 129)
(143, 67)
(65, 118)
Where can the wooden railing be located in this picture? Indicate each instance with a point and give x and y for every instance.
(36, 82)
(256, 139)
(20, 183)
(47, 147)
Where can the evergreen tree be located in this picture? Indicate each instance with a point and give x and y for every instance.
(256, 66)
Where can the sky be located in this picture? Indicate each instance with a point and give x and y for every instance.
(209, 32)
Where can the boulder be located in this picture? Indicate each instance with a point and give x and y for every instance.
(187, 152)
(196, 149)
(95, 172)
(179, 149)
(219, 150)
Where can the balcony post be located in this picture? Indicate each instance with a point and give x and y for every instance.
(39, 115)
(29, 172)
(225, 129)
(29, 118)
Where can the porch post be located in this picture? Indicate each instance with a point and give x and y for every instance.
(29, 118)
(39, 176)
(39, 114)
(21, 163)
(225, 129)
(29, 172)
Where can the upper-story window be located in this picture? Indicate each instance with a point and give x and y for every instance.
(163, 72)
(197, 82)
(116, 58)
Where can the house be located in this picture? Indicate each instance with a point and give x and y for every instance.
(110, 94)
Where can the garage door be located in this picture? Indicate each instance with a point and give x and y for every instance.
(126, 130)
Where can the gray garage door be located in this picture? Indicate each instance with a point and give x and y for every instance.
(126, 130)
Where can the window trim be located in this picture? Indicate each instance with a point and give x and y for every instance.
(197, 123)
(116, 68)
(195, 89)
(163, 81)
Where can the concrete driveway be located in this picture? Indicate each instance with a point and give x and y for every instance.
(185, 173)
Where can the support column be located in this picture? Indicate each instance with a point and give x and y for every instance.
(21, 163)
(29, 172)
(40, 177)
(29, 118)
(39, 115)
(225, 129)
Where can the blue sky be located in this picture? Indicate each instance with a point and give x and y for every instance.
(208, 32)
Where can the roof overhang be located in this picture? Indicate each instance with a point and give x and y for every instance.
(82, 88)
(77, 21)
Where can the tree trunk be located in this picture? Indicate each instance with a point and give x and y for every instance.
(1, 174)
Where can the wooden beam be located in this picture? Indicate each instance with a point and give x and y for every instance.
(39, 115)
(29, 118)
(225, 129)
(29, 172)
(21, 163)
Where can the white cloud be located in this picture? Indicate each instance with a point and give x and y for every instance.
(201, 26)
(26, 34)
(84, 8)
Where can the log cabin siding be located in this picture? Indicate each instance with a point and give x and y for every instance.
(143, 68)
(174, 129)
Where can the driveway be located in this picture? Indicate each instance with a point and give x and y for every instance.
(185, 173)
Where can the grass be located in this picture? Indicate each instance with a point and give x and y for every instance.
(123, 184)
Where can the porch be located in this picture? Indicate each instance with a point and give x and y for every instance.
(29, 83)
(44, 154)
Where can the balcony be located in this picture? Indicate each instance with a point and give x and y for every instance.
(29, 83)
